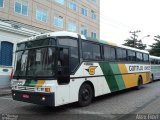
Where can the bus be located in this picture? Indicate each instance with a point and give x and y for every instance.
(59, 68)
(155, 67)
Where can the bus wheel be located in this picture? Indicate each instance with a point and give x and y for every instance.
(85, 95)
(140, 83)
(152, 78)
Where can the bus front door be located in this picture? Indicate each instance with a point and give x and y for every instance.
(63, 76)
(63, 72)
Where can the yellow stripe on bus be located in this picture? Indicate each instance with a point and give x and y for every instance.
(40, 83)
(122, 68)
(131, 80)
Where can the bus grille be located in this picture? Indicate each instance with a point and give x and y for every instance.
(25, 88)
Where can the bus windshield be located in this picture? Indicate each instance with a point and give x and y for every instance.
(39, 62)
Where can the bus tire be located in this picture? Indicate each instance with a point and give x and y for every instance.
(140, 83)
(152, 78)
(85, 95)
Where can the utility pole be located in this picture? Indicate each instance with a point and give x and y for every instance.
(134, 36)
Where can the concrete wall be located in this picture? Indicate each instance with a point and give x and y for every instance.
(5, 71)
(9, 34)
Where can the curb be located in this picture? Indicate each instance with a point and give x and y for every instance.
(5, 91)
(5, 94)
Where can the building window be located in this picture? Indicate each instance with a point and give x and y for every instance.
(1, 3)
(58, 21)
(93, 15)
(60, 2)
(73, 5)
(94, 1)
(84, 11)
(83, 30)
(94, 35)
(41, 15)
(72, 26)
(21, 7)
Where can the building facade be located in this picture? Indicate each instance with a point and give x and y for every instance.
(20, 19)
(81, 16)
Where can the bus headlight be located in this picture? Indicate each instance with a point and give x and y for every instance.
(38, 89)
(42, 89)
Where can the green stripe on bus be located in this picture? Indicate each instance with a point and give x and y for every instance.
(33, 83)
(30, 83)
(109, 76)
(27, 82)
(103, 42)
(118, 77)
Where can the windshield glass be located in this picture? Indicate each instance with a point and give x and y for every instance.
(36, 62)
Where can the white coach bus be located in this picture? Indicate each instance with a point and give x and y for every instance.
(63, 67)
(155, 67)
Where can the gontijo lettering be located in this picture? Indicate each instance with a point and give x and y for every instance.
(135, 68)
(138, 68)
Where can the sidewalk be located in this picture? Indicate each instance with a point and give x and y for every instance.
(5, 91)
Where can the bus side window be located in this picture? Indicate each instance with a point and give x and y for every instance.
(109, 53)
(131, 55)
(91, 51)
(145, 57)
(152, 61)
(139, 57)
(87, 51)
(121, 54)
(72, 43)
(96, 52)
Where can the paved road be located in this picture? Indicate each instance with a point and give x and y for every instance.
(122, 105)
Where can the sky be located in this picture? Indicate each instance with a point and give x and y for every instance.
(119, 17)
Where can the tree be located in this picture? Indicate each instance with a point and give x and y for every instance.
(134, 42)
(155, 47)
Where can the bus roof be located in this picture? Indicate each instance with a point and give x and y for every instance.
(75, 35)
(53, 34)
(121, 46)
(154, 57)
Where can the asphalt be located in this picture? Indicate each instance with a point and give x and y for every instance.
(130, 104)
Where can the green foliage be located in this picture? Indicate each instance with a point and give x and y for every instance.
(134, 42)
(155, 47)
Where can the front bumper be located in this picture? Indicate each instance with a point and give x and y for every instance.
(34, 97)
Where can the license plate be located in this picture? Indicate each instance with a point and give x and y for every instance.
(25, 96)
